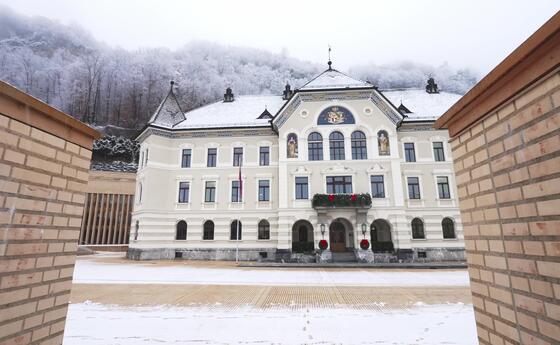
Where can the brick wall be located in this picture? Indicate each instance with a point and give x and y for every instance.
(42, 183)
(508, 175)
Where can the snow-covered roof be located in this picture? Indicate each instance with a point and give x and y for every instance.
(423, 105)
(333, 79)
(244, 111)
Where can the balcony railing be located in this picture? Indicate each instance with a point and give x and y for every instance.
(362, 200)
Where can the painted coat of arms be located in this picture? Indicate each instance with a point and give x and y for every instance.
(335, 115)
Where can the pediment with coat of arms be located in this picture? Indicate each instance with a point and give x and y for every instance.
(335, 115)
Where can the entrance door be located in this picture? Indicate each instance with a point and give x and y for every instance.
(337, 235)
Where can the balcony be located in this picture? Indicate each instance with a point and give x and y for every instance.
(323, 201)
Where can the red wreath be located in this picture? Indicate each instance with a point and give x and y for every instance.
(331, 197)
(353, 197)
(364, 244)
(323, 244)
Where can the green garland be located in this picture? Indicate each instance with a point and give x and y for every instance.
(342, 200)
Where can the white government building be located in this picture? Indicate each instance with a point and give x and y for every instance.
(337, 159)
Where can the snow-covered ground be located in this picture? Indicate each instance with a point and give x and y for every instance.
(97, 272)
(94, 324)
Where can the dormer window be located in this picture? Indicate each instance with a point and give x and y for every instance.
(403, 110)
(265, 115)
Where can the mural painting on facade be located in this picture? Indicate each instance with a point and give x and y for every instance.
(336, 115)
(292, 146)
(383, 143)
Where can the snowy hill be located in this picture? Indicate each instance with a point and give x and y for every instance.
(67, 68)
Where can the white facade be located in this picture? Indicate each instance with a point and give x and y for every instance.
(317, 107)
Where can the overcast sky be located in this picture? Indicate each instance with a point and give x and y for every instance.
(473, 33)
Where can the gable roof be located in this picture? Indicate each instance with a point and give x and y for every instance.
(333, 79)
(423, 106)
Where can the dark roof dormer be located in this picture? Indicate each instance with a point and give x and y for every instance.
(288, 92)
(403, 110)
(265, 115)
(228, 96)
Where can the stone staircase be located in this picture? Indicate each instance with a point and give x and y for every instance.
(344, 257)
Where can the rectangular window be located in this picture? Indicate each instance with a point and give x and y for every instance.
(235, 191)
(409, 154)
(315, 151)
(439, 154)
(443, 187)
(186, 158)
(302, 188)
(210, 191)
(264, 190)
(212, 157)
(377, 186)
(413, 188)
(339, 184)
(184, 192)
(337, 150)
(264, 156)
(237, 156)
(359, 149)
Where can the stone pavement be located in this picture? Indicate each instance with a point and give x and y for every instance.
(260, 296)
(265, 297)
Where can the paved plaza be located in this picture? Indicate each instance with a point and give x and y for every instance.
(220, 303)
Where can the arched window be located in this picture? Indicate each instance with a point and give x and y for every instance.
(336, 146)
(383, 143)
(417, 228)
(208, 230)
(359, 146)
(315, 147)
(381, 236)
(448, 228)
(264, 230)
(181, 230)
(233, 227)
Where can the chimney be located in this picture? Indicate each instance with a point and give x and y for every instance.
(287, 92)
(432, 86)
(228, 96)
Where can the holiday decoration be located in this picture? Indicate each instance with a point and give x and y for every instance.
(364, 244)
(342, 200)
